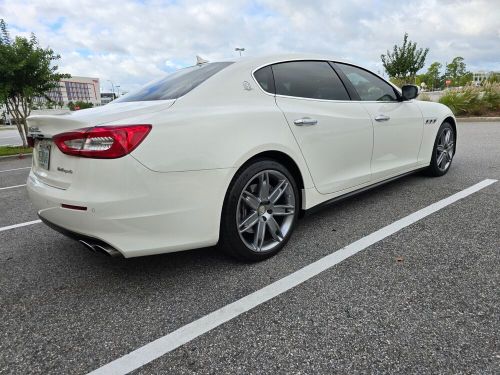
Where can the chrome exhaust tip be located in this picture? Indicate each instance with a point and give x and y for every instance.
(87, 245)
(101, 248)
(112, 252)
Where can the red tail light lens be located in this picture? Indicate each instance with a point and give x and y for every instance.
(102, 142)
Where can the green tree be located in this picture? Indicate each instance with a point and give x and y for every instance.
(26, 72)
(456, 71)
(433, 75)
(465, 79)
(420, 78)
(405, 61)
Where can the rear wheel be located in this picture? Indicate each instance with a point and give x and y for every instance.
(260, 211)
(444, 150)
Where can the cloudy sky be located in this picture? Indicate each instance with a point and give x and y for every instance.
(131, 42)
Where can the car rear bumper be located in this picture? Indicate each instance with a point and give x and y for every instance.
(90, 243)
(138, 212)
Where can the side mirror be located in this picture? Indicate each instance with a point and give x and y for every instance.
(409, 92)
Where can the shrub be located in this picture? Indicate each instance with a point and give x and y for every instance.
(491, 96)
(472, 100)
(79, 105)
(83, 105)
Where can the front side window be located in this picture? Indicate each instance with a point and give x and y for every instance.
(176, 84)
(308, 79)
(368, 86)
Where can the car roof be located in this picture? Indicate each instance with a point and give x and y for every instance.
(257, 61)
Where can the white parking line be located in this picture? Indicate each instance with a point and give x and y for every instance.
(12, 187)
(20, 225)
(183, 335)
(14, 169)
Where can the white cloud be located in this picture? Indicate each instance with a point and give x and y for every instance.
(131, 42)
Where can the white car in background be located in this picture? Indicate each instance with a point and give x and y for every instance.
(229, 153)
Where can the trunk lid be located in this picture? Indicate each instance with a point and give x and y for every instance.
(57, 169)
(45, 126)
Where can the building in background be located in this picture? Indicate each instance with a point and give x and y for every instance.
(481, 76)
(85, 89)
(107, 97)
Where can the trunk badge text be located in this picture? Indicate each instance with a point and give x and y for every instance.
(65, 170)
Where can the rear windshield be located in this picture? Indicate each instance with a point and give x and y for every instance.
(176, 84)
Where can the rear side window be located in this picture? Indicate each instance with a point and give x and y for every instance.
(265, 79)
(176, 84)
(368, 86)
(308, 79)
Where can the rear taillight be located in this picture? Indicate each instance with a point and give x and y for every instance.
(102, 142)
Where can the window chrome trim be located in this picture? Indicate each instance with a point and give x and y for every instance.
(312, 99)
(322, 100)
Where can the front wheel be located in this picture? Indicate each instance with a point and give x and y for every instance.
(260, 211)
(443, 151)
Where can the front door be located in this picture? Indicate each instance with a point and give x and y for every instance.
(397, 125)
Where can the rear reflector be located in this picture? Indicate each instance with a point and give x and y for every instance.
(72, 207)
(102, 142)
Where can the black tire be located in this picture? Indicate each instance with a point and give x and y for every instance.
(230, 239)
(438, 168)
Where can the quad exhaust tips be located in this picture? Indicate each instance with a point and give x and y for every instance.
(101, 248)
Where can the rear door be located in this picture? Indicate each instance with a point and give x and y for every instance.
(334, 133)
(398, 125)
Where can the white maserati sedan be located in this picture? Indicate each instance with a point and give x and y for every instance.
(229, 153)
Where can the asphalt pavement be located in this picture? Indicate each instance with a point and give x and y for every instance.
(423, 300)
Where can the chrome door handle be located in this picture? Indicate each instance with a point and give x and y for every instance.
(382, 118)
(305, 121)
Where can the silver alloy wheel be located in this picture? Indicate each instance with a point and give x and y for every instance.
(265, 211)
(445, 149)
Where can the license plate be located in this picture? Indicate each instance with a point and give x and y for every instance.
(44, 156)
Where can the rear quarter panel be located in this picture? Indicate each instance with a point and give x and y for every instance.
(220, 124)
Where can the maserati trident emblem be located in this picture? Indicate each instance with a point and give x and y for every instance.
(247, 86)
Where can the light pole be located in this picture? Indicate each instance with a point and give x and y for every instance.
(239, 49)
(112, 87)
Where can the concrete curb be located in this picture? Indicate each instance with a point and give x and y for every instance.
(478, 119)
(16, 156)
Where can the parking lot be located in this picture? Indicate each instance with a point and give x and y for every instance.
(422, 300)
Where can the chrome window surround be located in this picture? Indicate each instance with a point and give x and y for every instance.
(323, 100)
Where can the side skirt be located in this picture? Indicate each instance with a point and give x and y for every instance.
(321, 206)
